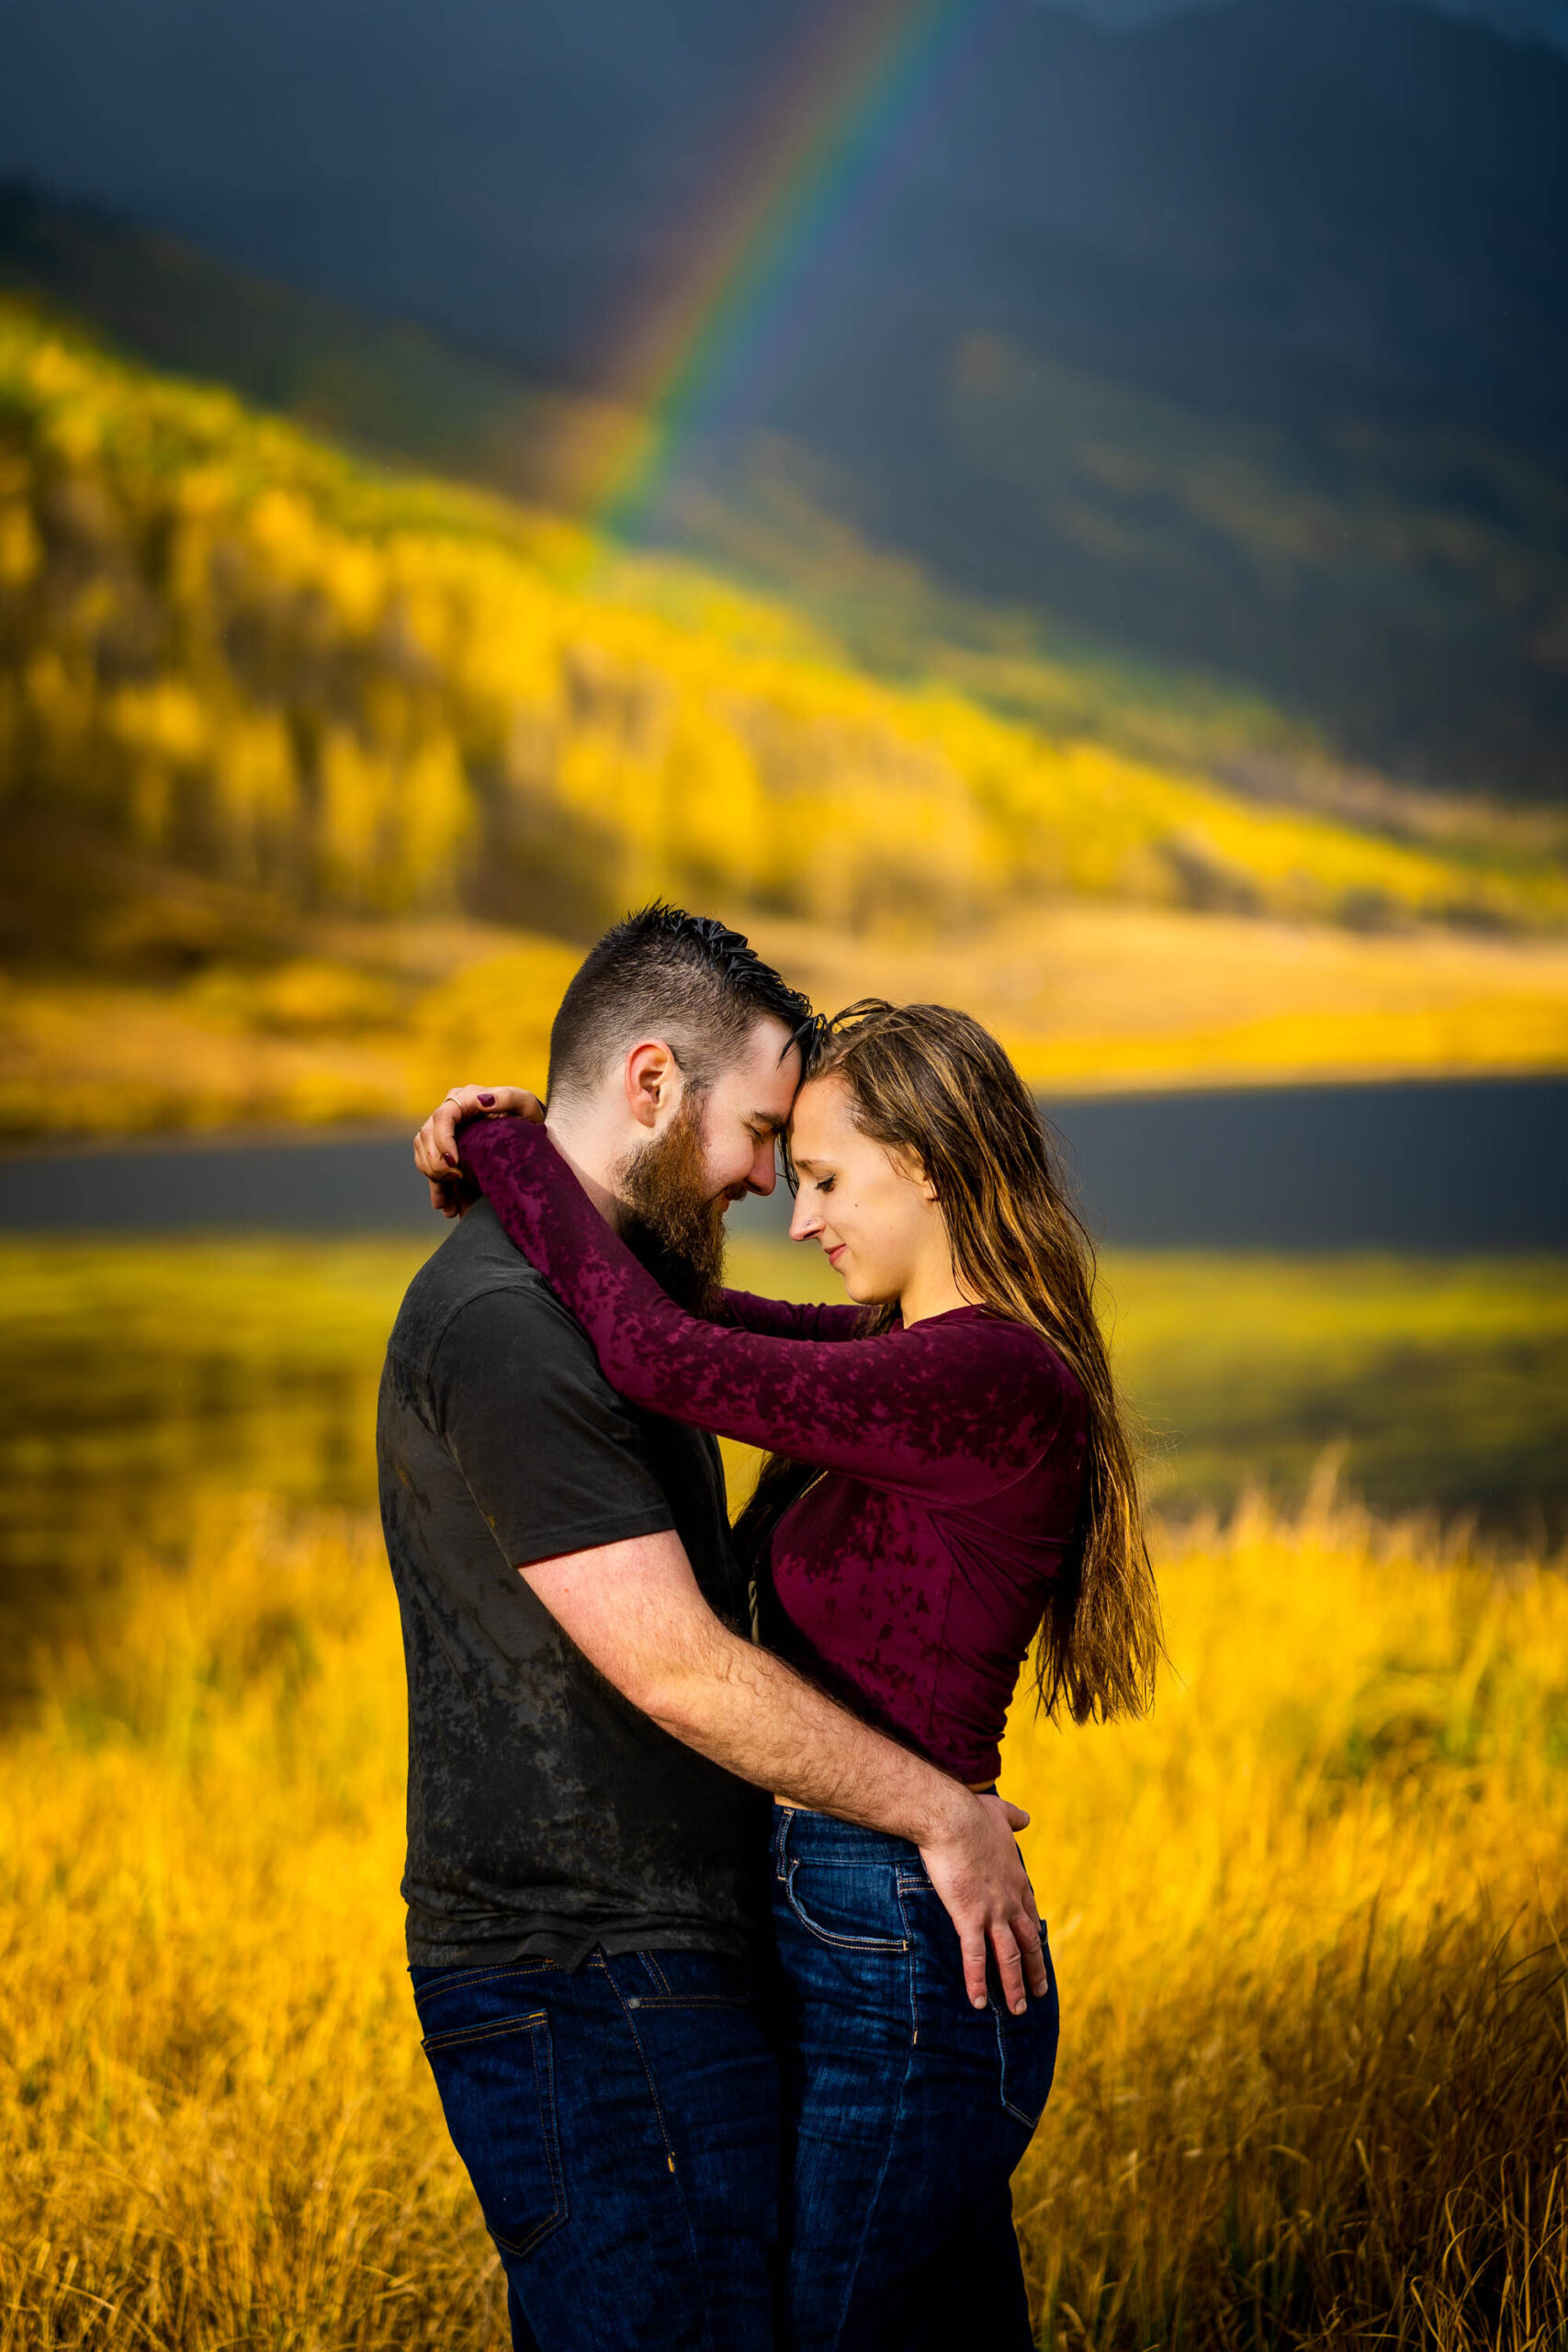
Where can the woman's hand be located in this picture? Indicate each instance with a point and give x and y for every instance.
(436, 1145)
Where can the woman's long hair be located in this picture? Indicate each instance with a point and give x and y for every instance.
(932, 1083)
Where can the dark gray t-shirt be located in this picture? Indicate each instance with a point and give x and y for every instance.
(544, 1813)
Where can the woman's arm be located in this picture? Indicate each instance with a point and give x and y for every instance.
(785, 1318)
(436, 1156)
(944, 1412)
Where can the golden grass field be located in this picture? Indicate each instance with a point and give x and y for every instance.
(1312, 2087)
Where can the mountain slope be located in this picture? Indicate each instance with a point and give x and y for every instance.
(227, 647)
(1243, 340)
(1236, 340)
(289, 748)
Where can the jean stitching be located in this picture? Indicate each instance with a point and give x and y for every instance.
(547, 2106)
(825, 1935)
(543, 2097)
(692, 2001)
(456, 2034)
(631, 2017)
(914, 1975)
(650, 1961)
(1031, 2121)
(648, 2071)
(1023, 2114)
(460, 1983)
(871, 2202)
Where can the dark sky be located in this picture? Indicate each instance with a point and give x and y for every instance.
(525, 171)
(385, 151)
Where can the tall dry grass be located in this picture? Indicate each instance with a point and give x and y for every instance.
(1315, 2076)
(1313, 2079)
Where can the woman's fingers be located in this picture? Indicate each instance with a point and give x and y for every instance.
(463, 1103)
(436, 1145)
(445, 1198)
(427, 1152)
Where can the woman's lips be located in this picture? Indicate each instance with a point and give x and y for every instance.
(836, 1253)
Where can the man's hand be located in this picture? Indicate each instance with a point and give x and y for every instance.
(979, 1874)
(436, 1145)
(635, 1612)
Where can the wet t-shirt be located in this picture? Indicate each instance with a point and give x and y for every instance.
(544, 1813)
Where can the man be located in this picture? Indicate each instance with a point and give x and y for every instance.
(591, 1734)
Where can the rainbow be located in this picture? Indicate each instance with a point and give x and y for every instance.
(847, 96)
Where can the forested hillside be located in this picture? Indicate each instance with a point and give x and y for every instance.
(229, 648)
(1232, 341)
(249, 688)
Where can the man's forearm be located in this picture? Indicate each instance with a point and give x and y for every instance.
(633, 1609)
(761, 1720)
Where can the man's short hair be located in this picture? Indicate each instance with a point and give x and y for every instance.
(667, 974)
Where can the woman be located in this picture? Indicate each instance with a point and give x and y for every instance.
(951, 1482)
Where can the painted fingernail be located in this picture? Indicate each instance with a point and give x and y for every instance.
(488, 1101)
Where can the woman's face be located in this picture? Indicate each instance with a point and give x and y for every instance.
(873, 1211)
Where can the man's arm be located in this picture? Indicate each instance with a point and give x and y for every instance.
(633, 1609)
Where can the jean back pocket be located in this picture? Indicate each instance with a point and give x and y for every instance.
(1026, 2047)
(496, 2077)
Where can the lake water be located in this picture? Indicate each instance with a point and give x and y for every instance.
(1448, 1166)
(147, 1378)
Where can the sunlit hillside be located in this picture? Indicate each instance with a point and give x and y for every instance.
(289, 749)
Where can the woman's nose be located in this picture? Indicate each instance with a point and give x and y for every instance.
(804, 1223)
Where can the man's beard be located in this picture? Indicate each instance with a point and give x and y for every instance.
(671, 1224)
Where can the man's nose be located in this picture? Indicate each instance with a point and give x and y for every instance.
(765, 1168)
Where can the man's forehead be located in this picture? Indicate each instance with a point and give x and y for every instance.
(770, 1071)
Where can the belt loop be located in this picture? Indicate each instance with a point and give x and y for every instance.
(781, 1841)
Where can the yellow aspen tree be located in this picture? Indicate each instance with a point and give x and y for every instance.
(435, 811)
(355, 800)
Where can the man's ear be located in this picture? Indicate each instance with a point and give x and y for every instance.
(653, 1080)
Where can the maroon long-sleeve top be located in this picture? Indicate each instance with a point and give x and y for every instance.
(913, 1574)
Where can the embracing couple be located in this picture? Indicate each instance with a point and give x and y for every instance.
(724, 2075)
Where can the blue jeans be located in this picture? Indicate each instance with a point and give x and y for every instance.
(904, 2108)
(620, 2127)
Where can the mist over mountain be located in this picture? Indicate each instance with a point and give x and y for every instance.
(1238, 336)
